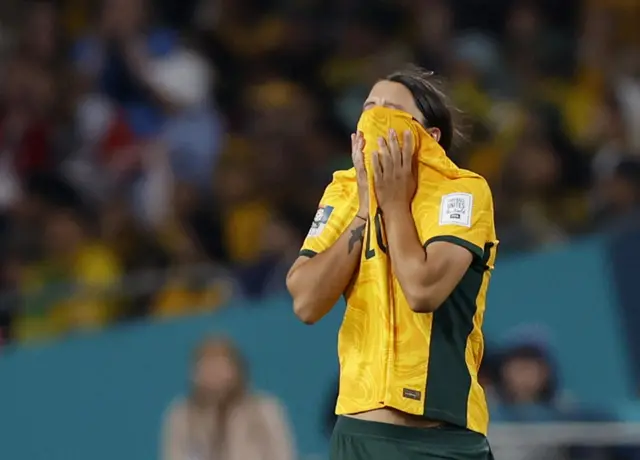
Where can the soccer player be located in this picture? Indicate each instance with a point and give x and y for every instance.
(408, 238)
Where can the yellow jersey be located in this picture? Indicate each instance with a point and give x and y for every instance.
(422, 364)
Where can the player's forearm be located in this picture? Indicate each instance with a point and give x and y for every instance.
(316, 284)
(408, 257)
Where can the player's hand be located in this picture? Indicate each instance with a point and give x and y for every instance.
(357, 155)
(394, 171)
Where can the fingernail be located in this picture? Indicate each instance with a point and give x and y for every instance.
(392, 132)
(407, 133)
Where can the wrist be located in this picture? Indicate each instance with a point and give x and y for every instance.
(395, 208)
(363, 212)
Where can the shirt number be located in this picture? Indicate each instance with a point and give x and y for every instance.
(370, 252)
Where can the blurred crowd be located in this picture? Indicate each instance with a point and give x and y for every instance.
(160, 157)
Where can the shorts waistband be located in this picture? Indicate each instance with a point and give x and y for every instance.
(354, 426)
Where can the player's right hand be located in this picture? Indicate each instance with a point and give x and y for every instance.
(357, 156)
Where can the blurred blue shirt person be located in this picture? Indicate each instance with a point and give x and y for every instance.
(115, 60)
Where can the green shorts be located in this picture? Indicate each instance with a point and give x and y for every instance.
(355, 439)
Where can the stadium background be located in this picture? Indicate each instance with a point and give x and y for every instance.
(152, 195)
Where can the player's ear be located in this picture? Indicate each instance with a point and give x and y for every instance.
(435, 133)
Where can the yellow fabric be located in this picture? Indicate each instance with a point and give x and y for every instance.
(242, 229)
(177, 299)
(384, 348)
(582, 103)
(433, 162)
(50, 310)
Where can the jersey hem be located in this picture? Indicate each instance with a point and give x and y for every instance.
(475, 250)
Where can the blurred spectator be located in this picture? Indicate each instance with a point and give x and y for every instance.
(67, 290)
(118, 61)
(280, 245)
(221, 418)
(245, 211)
(134, 248)
(25, 130)
(191, 285)
(105, 154)
(618, 195)
(41, 36)
(193, 130)
(528, 392)
(138, 252)
(530, 194)
(432, 31)
(488, 376)
(527, 385)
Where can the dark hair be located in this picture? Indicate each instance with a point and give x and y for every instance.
(549, 390)
(434, 105)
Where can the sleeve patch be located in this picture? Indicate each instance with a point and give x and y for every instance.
(320, 221)
(456, 209)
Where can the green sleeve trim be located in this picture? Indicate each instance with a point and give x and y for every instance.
(475, 250)
(307, 253)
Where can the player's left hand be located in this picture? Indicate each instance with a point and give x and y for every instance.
(394, 171)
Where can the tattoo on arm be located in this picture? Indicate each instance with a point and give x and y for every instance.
(357, 236)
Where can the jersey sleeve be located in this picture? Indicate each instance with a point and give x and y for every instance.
(335, 211)
(460, 212)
